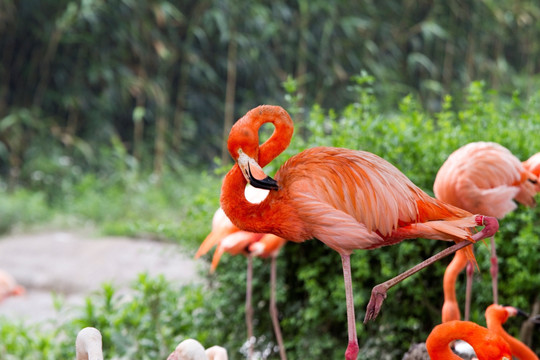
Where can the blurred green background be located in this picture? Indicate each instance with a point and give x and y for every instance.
(115, 113)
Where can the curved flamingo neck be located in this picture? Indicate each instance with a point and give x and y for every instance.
(245, 133)
(246, 215)
(438, 342)
(497, 315)
(451, 307)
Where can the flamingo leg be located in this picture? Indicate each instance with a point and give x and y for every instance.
(352, 349)
(249, 307)
(273, 309)
(378, 293)
(468, 290)
(494, 271)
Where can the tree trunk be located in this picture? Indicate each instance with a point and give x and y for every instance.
(161, 129)
(183, 82)
(138, 129)
(229, 94)
(301, 66)
(526, 332)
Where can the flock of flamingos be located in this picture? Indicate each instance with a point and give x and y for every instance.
(350, 200)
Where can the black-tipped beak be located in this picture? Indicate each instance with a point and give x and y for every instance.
(267, 183)
(535, 319)
(521, 313)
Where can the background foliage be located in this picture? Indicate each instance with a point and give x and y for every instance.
(165, 79)
(114, 111)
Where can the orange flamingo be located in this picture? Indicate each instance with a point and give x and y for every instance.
(347, 199)
(480, 177)
(232, 240)
(486, 344)
(496, 315)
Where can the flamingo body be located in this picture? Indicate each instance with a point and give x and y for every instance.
(369, 205)
(485, 178)
(487, 345)
(188, 349)
(496, 316)
(217, 353)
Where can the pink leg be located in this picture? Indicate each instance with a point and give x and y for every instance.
(249, 307)
(352, 349)
(274, 311)
(378, 294)
(468, 290)
(494, 271)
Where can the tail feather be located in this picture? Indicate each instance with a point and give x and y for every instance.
(213, 239)
(460, 229)
(221, 227)
(209, 242)
(430, 209)
(215, 259)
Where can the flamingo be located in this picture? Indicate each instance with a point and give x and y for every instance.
(88, 344)
(496, 315)
(232, 240)
(188, 349)
(8, 286)
(480, 177)
(191, 349)
(487, 344)
(216, 353)
(345, 198)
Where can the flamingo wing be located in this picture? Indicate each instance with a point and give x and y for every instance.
(356, 200)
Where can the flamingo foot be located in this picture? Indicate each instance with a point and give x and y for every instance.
(352, 351)
(378, 295)
(491, 225)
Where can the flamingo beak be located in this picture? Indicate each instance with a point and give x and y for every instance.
(254, 174)
(513, 311)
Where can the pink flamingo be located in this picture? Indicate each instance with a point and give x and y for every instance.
(480, 177)
(347, 199)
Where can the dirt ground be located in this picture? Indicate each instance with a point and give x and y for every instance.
(73, 264)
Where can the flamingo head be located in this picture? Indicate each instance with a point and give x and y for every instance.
(253, 172)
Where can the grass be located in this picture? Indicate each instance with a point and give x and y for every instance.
(177, 208)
